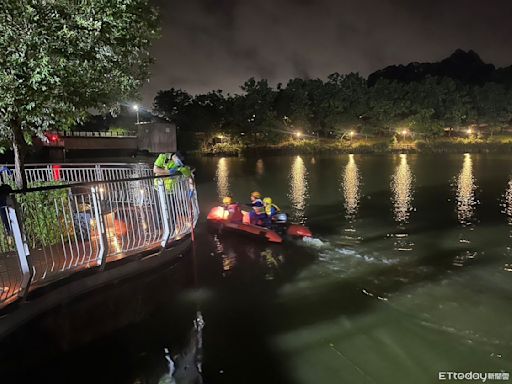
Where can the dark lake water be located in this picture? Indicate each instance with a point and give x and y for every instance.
(409, 273)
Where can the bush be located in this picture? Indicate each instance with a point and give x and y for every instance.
(43, 223)
(46, 216)
(225, 149)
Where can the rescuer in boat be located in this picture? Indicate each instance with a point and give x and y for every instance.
(270, 210)
(170, 164)
(234, 211)
(257, 215)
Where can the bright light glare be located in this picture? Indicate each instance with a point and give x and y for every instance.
(135, 107)
(298, 134)
(404, 132)
(470, 131)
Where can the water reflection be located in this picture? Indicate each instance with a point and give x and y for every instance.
(185, 365)
(228, 256)
(260, 167)
(507, 210)
(298, 189)
(466, 187)
(401, 185)
(508, 202)
(273, 263)
(222, 176)
(351, 188)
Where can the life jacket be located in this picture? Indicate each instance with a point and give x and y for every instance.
(258, 207)
(271, 209)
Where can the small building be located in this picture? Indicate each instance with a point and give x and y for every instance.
(158, 136)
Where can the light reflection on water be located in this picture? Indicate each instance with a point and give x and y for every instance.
(401, 185)
(260, 167)
(298, 189)
(466, 187)
(508, 202)
(507, 205)
(351, 188)
(466, 203)
(222, 177)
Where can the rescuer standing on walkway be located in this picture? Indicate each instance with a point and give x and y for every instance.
(170, 164)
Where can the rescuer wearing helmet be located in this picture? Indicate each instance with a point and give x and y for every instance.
(270, 210)
(233, 209)
(257, 215)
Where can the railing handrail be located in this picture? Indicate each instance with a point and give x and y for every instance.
(89, 183)
(92, 165)
(79, 172)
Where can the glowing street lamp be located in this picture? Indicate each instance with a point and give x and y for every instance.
(404, 133)
(298, 134)
(469, 131)
(135, 107)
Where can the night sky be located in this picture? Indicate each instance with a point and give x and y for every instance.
(218, 44)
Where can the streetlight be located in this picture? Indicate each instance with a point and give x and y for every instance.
(298, 134)
(469, 131)
(404, 133)
(136, 109)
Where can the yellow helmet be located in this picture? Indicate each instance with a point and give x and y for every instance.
(256, 195)
(227, 200)
(267, 201)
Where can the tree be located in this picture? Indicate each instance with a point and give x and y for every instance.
(61, 58)
(257, 107)
(171, 104)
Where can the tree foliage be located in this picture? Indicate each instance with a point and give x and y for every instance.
(341, 103)
(61, 58)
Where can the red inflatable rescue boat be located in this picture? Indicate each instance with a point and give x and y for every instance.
(218, 217)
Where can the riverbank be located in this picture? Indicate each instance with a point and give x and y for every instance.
(497, 144)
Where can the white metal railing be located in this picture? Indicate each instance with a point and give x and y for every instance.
(77, 173)
(97, 134)
(49, 233)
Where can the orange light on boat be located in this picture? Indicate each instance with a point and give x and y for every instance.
(218, 213)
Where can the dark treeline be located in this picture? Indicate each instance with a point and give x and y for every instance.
(424, 98)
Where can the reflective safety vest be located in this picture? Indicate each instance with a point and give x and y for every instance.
(271, 209)
(163, 162)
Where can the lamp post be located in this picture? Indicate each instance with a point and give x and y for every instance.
(136, 109)
(298, 134)
(351, 134)
(404, 133)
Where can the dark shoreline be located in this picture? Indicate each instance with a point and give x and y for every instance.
(435, 146)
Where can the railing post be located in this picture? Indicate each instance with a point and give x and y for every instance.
(49, 173)
(100, 227)
(193, 199)
(21, 245)
(99, 172)
(165, 212)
